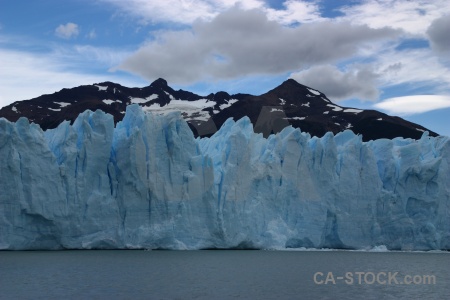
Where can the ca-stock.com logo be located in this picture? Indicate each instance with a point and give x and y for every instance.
(381, 278)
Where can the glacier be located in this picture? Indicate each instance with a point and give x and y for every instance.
(147, 183)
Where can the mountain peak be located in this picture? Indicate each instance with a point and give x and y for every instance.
(292, 89)
(292, 83)
(161, 83)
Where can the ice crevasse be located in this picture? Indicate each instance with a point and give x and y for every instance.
(148, 183)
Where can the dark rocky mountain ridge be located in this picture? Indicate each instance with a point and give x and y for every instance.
(291, 103)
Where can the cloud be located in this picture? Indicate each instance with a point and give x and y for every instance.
(26, 75)
(357, 82)
(239, 42)
(67, 31)
(92, 34)
(86, 57)
(414, 67)
(178, 11)
(417, 104)
(187, 12)
(438, 34)
(414, 17)
(295, 12)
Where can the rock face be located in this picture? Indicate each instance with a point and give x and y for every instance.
(148, 183)
(291, 103)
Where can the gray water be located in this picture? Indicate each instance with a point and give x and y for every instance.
(225, 274)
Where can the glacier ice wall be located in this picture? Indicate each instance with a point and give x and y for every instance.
(147, 183)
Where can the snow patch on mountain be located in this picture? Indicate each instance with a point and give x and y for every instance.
(101, 88)
(109, 102)
(353, 110)
(314, 92)
(63, 104)
(228, 104)
(170, 96)
(143, 100)
(190, 109)
(295, 118)
(276, 109)
(335, 107)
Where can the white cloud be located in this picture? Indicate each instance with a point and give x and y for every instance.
(25, 75)
(295, 11)
(178, 11)
(238, 43)
(186, 12)
(359, 81)
(67, 31)
(414, 17)
(416, 104)
(87, 56)
(414, 66)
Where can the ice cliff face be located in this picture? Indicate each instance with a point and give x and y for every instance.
(149, 184)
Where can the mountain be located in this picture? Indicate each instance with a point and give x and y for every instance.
(291, 103)
(148, 183)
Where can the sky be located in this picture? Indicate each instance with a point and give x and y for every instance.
(388, 55)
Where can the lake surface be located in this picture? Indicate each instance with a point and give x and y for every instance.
(228, 274)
